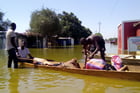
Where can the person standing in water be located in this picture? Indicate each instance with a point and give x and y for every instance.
(11, 46)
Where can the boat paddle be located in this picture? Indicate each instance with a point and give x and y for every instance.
(85, 61)
(86, 56)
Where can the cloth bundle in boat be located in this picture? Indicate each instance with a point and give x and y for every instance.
(95, 64)
(116, 61)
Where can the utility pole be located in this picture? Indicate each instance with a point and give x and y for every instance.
(99, 26)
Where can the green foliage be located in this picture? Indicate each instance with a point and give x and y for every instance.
(3, 24)
(45, 22)
(99, 34)
(1, 15)
(71, 26)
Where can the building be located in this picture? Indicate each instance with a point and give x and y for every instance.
(64, 41)
(126, 31)
(36, 40)
(33, 40)
(2, 39)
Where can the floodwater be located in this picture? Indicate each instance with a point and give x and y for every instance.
(39, 80)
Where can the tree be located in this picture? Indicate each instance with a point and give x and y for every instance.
(71, 27)
(1, 20)
(98, 34)
(45, 22)
(3, 24)
(1, 15)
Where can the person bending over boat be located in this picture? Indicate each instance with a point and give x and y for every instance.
(69, 64)
(23, 53)
(92, 44)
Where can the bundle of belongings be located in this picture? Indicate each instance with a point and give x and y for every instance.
(95, 64)
(99, 64)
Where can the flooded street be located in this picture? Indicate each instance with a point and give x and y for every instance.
(39, 80)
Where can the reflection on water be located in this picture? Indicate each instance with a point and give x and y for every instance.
(59, 54)
(30, 80)
(33, 80)
(111, 48)
(49, 81)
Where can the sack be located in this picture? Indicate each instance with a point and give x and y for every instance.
(95, 64)
(116, 61)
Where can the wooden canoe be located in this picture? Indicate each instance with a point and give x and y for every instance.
(126, 59)
(133, 73)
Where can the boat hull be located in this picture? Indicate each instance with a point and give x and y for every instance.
(129, 75)
(126, 59)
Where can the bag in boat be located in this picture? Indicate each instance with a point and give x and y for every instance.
(116, 61)
(95, 64)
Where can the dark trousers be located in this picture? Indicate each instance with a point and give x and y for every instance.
(12, 57)
(102, 53)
